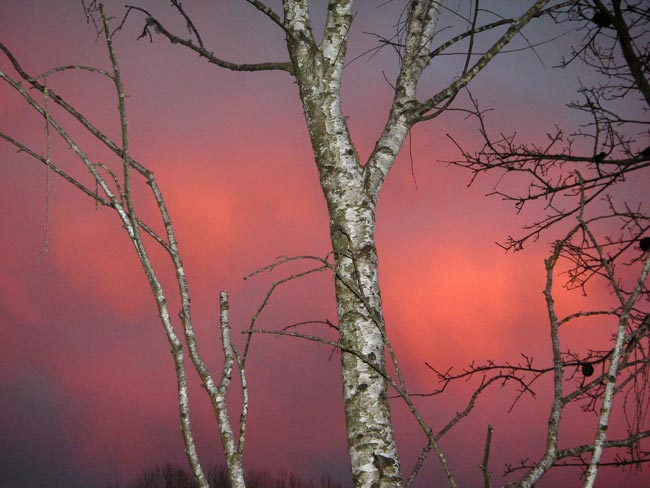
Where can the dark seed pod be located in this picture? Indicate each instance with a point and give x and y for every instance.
(602, 19)
(600, 157)
(644, 244)
(587, 369)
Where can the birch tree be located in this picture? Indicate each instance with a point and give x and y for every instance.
(115, 190)
(352, 187)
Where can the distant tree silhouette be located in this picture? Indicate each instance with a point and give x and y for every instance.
(167, 476)
(172, 476)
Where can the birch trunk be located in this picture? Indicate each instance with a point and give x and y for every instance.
(372, 450)
(373, 455)
(352, 190)
(351, 205)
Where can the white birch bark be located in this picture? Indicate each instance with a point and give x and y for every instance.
(351, 191)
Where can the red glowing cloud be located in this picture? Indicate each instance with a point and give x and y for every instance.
(87, 392)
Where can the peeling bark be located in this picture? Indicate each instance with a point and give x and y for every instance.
(351, 205)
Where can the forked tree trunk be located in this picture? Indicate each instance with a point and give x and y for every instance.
(372, 451)
(351, 206)
(351, 195)
(351, 191)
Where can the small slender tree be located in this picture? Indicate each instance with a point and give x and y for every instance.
(114, 190)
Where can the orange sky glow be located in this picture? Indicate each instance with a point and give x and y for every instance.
(87, 391)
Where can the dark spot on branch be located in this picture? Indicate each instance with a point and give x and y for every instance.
(644, 244)
(602, 19)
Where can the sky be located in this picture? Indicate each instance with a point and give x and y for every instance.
(87, 390)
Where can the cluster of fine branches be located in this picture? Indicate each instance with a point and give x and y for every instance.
(577, 177)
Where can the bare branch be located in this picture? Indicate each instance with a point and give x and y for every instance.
(468, 75)
(152, 22)
(486, 457)
(268, 11)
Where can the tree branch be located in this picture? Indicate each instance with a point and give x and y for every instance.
(202, 51)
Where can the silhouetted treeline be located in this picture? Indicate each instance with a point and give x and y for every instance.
(170, 476)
